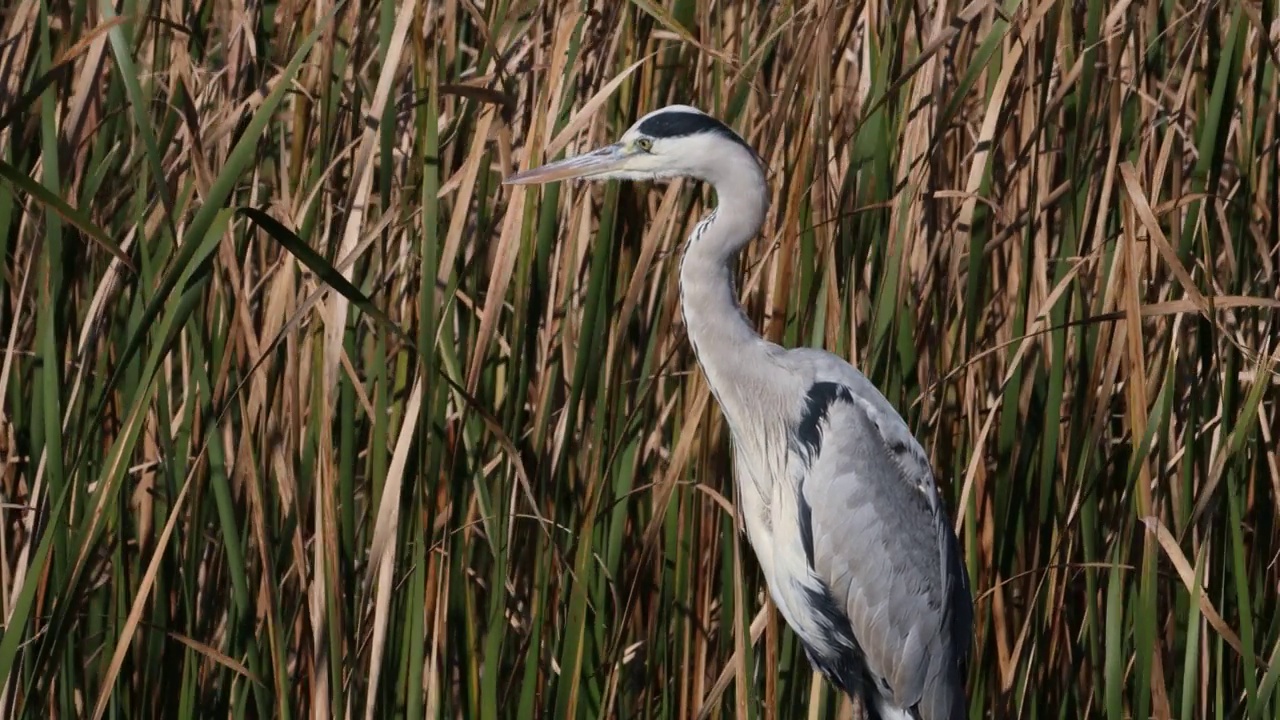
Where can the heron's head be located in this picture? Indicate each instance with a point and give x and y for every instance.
(676, 141)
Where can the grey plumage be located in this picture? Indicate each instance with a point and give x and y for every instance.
(837, 498)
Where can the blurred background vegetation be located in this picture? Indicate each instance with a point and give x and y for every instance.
(484, 479)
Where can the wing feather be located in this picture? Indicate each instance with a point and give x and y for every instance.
(878, 537)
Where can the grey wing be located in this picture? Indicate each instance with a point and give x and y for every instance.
(878, 536)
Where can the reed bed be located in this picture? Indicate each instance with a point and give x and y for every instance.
(304, 414)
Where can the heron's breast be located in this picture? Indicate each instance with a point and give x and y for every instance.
(752, 499)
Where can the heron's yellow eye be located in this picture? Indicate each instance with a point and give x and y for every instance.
(644, 144)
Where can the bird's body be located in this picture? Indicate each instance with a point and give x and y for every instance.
(837, 498)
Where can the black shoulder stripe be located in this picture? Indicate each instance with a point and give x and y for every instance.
(808, 440)
(816, 404)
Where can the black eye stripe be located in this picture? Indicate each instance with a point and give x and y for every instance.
(682, 124)
(679, 124)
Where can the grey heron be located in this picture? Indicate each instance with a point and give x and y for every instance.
(837, 497)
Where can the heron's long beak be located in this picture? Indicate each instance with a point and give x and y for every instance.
(596, 162)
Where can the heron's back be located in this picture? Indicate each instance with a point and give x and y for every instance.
(855, 543)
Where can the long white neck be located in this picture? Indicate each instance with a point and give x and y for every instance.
(725, 344)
